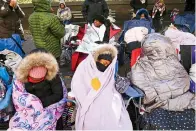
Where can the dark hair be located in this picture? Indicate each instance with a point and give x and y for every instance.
(39, 50)
(105, 57)
(100, 18)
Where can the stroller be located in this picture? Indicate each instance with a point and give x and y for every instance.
(69, 43)
(8, 62)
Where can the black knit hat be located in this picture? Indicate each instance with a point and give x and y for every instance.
(105, 57)
(100, 18)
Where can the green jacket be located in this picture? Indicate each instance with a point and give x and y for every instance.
(46, 27)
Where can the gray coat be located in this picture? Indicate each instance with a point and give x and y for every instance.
(160, 75)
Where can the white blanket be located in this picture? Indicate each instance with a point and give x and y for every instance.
(92, 35)
(135, 34)
(180, 38)
(100, 106)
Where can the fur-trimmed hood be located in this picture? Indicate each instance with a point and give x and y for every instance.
(105, 49)
(37, 59)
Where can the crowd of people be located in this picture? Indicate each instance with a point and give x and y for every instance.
(33, 95)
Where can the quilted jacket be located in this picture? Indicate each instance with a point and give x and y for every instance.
(160, 75)
(46, 27)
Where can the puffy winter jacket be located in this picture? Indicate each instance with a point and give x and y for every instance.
(46, 27)
(91, 8)
(64, 14)
(10, 20)
(160, 75)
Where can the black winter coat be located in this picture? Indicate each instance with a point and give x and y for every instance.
(91, 8)
(49, 92)
(10, 20)
(137, 4)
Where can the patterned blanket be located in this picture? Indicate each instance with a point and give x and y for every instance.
(30, 114)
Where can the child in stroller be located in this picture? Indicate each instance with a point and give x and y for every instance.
(99, 32)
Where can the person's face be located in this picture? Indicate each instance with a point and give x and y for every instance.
(62, 6)
(142, 16)
(105, 62)
(97, 23)
(102, 64)
(160, 4)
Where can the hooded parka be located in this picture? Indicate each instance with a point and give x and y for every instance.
(46, 27)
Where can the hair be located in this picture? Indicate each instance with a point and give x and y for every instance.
(105, 57)
(39, 50)
(100, 18)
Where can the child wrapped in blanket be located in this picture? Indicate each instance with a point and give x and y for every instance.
(39, 73)
(93, 86)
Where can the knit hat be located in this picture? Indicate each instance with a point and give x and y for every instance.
(105, 57)
(38, 72)
(100, 18)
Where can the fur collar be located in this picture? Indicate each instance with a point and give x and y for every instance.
(105, 49)
(37, 59)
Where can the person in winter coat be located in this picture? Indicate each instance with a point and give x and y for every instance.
(93, 36)
(46, 28)
(64, 12)
(158, 13)
(38, 71)
(96, 34)
(91, 8)
(161, 76)
(138, 4)
(10, 23)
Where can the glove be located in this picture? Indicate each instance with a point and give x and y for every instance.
(99, 42)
